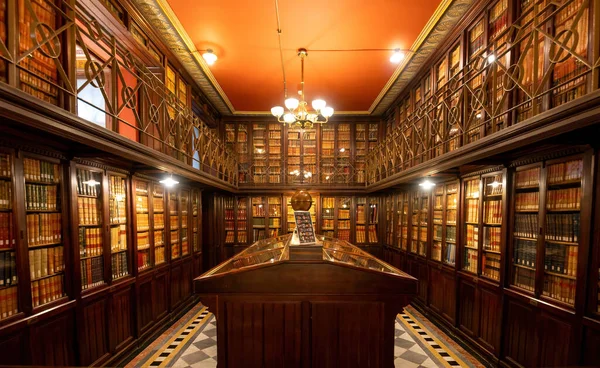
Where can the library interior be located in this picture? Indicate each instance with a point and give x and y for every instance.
(282, 183)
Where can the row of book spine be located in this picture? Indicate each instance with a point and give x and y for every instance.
(119, 265)
(527, 201)
(8, 269)
(117, 211)
(563, 227)
(159, 255)
(44, 228)
(143, 240)
(5, 162)
(526, 225)
(528, 178)
(492, 212)
(7, 232)
(84, 185)
(46, 261)
(92, 272)
(559, 288)
(89, 211)
(561, 259)
(5, 195)
(525, 253)
(492, 238)
(490, 266)
(565, 171)
(158, 204)
(472, 206)
(90, 242)
(141, 204)
(229, 237)
(470, 260)
(143, 260)
(42, 171)
(47, 290)
(118, 238)
(450, 254)
(41, 197)
(564, 199)
(472, 239)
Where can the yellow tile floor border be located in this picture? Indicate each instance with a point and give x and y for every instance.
(181, 343)
(435, 339)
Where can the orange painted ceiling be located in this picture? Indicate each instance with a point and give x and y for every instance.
(243, 35)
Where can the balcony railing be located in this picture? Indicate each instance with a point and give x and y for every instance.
(66, 57)
(537, 63)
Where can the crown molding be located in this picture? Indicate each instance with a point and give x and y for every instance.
(161, 17)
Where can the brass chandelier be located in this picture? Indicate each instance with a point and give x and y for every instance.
(297, 114)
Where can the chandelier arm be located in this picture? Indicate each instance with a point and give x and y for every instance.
(302, 56)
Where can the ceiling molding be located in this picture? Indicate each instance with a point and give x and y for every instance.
(162, 18)
(426, 45)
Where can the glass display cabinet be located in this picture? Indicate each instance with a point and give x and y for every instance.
(303, 296)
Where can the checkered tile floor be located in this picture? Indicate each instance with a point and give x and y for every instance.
(195, 346)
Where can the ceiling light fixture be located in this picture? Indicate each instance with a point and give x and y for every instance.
(427, 184)
(342, 150)
(209, 56)
(397, 56)
(491, 58)
(169, 182)
(495, 184)
(297, 114)
(91, 182)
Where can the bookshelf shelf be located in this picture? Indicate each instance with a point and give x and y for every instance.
(402, 223)
(562, 275)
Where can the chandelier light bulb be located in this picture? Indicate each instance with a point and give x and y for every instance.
(291, 103)
(277, 111)
(397, 56)
(318, 104)
(289, 118)
(327, 111)
(210, 57)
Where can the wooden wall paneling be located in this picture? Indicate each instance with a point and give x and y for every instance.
(93, 334)
(558, 340)
(449, 296)
(520, 339)
(468, 307)
(160, 293)
(423, 276)
(145, 301)
(590, 354)
(14, 348)
(121, 322)
(175, 285)
(52, 341)
(436, 290)
(490, 317)
(186, 279)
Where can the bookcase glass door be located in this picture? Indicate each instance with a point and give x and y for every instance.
(438, 216)
(423, 222)
(403, 221)
(415, 218)
(293, 156)
(158, 215)
(196, 221)
(562, 229)
(184, 211)
(526, 199)
(328, 216)
(241, 144)
(327, 157)
(309, 156)
(343, 153)
(493, 189)
(174, 225)
(142, 225)
(360, 142)
(229, 208)
(9, 297)
(242, 220)
(361, 220)
(259, 153)
(275, 215)
(343, 218)
(275, 156)
(258, 218)
(290, 220)
(471, 225)
(451, 208)
(117, 205)
(373, 220)
(91, 234)
(389, 220)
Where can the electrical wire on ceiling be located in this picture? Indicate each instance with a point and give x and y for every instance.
(280, 49)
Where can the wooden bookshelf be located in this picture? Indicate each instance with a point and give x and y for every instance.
(419, 223)
(184, 197)
(328, 216)
(229, 208)
(373, 225)
(525, 228)
(259, 153)
(361, 216)
(343, 227)
(451, 196)
(196, 225)
(259, 213)
(403, 217)
(327, 157)
(493, 219)
(309, 156)
(242, 220)
(241, 147)
(275, 216)
(90, 187)
(274, 152)
(159, 239)
(293, 164)
(118, 219)
(343, 153)
(9, 291)
(361, 149)
(389, 220)
(174, 213)
(143, 238)
(470, 237)
(438, 223)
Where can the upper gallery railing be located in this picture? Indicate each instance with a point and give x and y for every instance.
(540, 61)
(61, 54)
